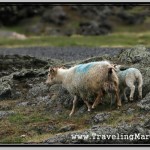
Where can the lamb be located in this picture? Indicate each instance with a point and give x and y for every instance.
(82, 79)
(127, 78)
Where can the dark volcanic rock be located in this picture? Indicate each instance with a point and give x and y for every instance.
(55, 15)
(94, 28)
(13, 63)
(123, 134)
(67, 128)
(59, 97)
(38, 90)
(145, 103)
(5, 87)
(131, 19)
(137, 54)
(99, 118)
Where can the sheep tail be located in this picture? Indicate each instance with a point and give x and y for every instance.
(110, 73)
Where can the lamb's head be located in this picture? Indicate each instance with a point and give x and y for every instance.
(120, 67)
(52, 76)
(117, 67)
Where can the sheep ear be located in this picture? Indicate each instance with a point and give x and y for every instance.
(63, 67)
(114, 65)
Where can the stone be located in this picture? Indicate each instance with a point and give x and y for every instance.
(100, 117)
(6, 113)
(144, 104)
(66, 128)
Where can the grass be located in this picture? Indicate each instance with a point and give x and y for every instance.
(111, 40)
(32, 124)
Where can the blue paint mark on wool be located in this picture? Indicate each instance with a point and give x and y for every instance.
(83, 68)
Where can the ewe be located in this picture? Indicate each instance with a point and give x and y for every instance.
(83, 79)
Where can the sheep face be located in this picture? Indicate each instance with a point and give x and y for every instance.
(51, 78)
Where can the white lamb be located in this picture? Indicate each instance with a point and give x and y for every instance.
(127, 78)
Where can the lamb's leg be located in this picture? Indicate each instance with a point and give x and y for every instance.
(130, 84)
(117, 98)
(124, 93)
(74, 105)
(140, 91)
(98, 99)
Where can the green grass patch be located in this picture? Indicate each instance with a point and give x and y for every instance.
(12, 140)
(111, 40)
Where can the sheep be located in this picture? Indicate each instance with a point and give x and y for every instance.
(82, 79)
(127, 78)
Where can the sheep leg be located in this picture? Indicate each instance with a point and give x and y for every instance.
(130, 84)
(117, 98)
(74, 105)
(97, 100)
(87, 104)
(140, 91)
(125, 97)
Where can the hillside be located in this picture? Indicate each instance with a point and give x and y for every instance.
(74, 19)
(33, 113)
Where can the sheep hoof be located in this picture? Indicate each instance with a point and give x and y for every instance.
(131, 98)
(89, 110)
(70, 114)
(140, 97)
(93, 107)
(118, 107)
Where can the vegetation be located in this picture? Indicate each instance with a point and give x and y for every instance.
(33, 124)
(111, 40)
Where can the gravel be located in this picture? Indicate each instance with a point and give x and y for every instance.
(65, 53)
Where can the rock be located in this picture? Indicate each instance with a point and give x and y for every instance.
(102, 135)
(38, 90)
(55, 15)
(131, 19)
(66, 128)
(6, 113)
(36, 29)
(100, 117)
(145, 103)
(137, 129)
(24, 74)
(130, 111)
(94, 28)
(14, 63)
(137, 54)
(5, 88)
(13, 35)
(24, 104)
(60, 95)
(147, 124)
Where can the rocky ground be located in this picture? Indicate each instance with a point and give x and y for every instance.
(29, 108)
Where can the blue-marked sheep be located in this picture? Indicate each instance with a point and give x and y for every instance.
(84, 79)
(127, 78)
